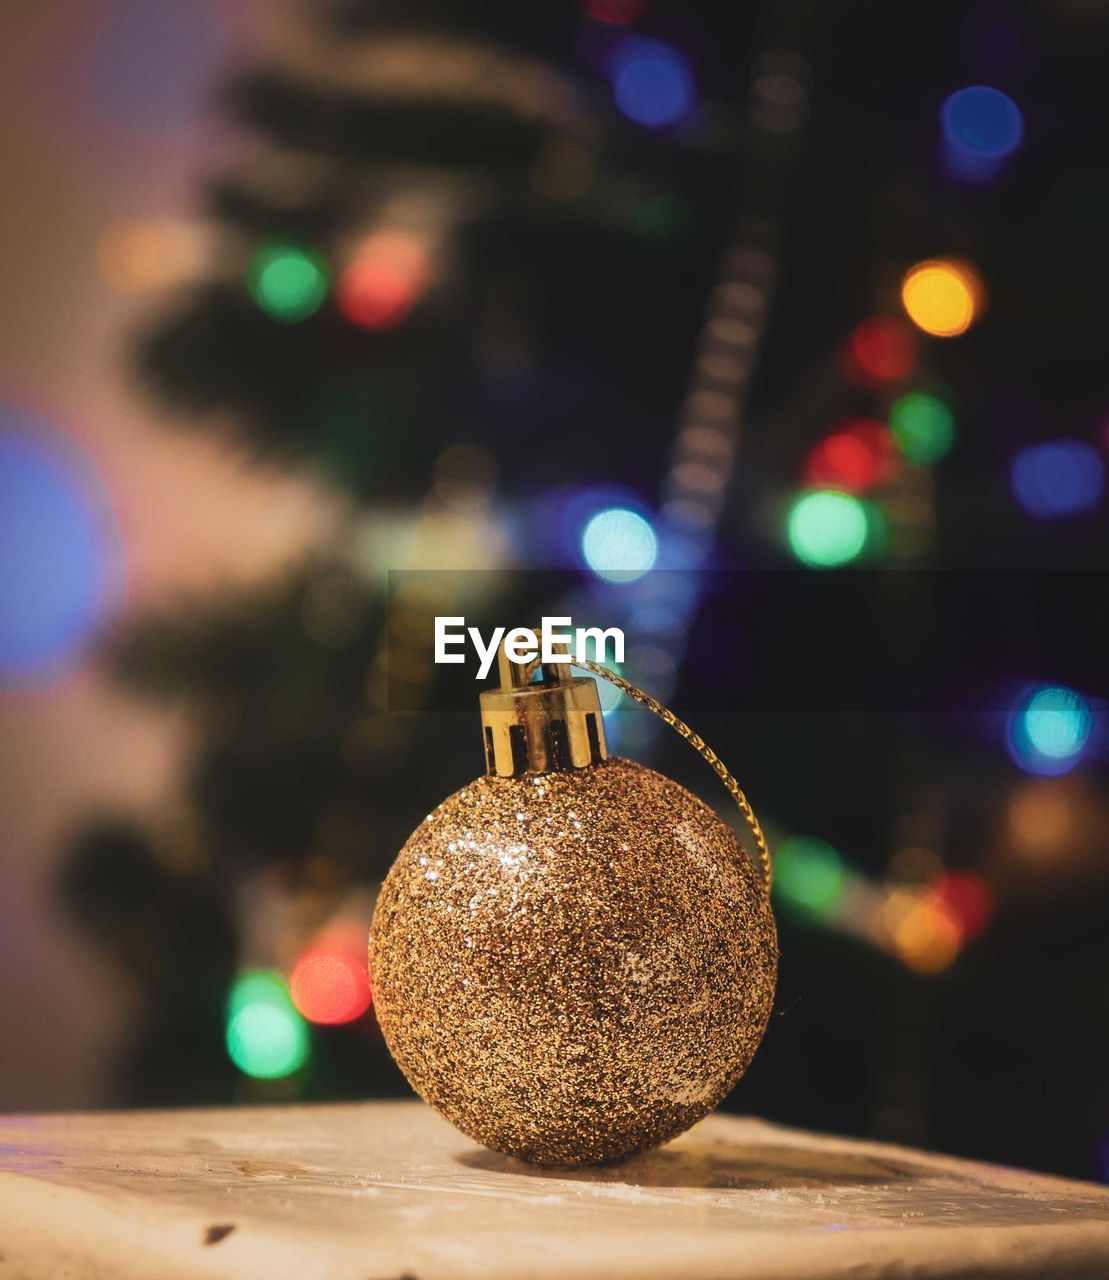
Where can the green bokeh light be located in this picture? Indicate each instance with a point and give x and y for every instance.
(266, 1037)
(826, 528)
(287, 282)
(667, 225)
(923, 427)
(809, 876)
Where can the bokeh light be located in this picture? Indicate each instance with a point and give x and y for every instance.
(616, 12)
(387, 276)
(922, 426)
(981, 126)
(1049, 729)
(60, 571)
(1042, 818)
(328, 985)
(809, 876)
(967, 898)
(137, 257)
(619, 544)
(1062, 478)
(855, 458)
(288, 282)
(926, 936)
(651, 82)
(266, 1037)
(880, 350)
(941, 297)
(667, 226)
(827, 528)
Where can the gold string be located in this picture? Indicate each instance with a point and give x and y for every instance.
(703, 750)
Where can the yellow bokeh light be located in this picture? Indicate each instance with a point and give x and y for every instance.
(941, 297)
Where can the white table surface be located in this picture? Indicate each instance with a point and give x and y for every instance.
(381, 1191)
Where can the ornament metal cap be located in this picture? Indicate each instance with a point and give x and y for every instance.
(541, 719)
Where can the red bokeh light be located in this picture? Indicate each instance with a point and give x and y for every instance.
(880, 350)
(617, 12)
(968, 898)
(383, 282)
(330, 986)
(854, 458)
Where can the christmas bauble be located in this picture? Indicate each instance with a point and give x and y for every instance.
(573, 966)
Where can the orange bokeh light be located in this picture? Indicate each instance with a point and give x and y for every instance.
(329, 986)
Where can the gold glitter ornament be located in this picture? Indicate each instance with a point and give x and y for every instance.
(573, 959)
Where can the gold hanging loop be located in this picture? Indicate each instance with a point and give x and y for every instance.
(703, 750)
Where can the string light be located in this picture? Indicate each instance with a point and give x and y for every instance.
(60, 574)
(827, 528)
(926, 937)
(981, 128)
(266, 1037)
(619, 545)
(880, 350)
(941, 297)
(651, 82)
(809, 876)
(1041, 818)
(967, 898)
(667, 225)
(1062, 478)
(382, 283)
(854, 458)
(922, 426)
(289, 283)
(616, 12)
(1049, 729)
(138, 257)
(329, 985)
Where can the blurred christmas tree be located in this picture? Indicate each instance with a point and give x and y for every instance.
(480, 267)
(430, 268)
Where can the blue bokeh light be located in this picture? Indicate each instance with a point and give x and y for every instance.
(651, 82)
(1049, 729)
(982, 127)
(619, 545)
(58, 578)
(982, 120)
(1061, 478)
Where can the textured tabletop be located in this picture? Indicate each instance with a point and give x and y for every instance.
(379, 1191)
